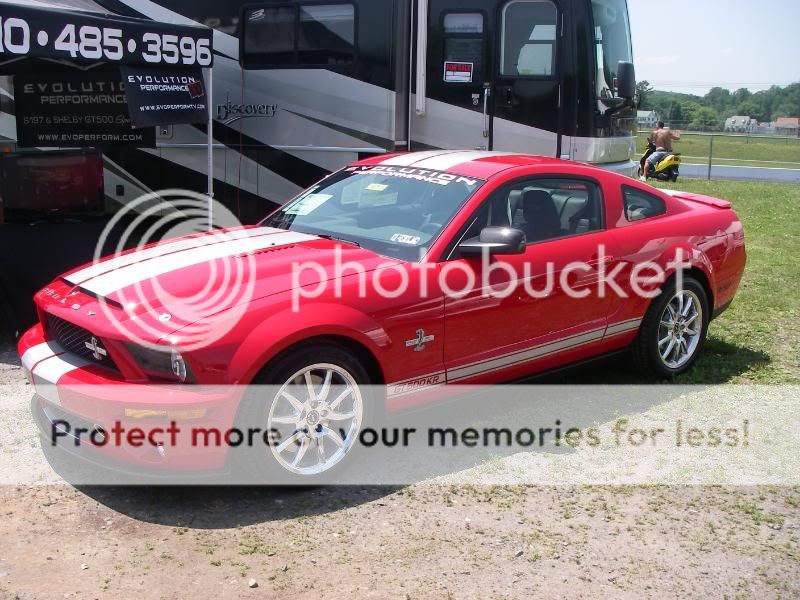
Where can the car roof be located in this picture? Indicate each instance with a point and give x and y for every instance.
(468, 163)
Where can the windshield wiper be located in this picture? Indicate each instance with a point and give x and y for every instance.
(334, 238)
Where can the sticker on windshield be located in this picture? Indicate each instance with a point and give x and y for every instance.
(404, 238)
(377, 187)
(307, 204)
(424, 175)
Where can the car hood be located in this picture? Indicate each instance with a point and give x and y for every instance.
(218, 269)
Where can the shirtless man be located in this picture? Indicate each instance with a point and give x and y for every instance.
(662, 137)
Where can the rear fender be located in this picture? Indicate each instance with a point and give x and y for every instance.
(682, 256)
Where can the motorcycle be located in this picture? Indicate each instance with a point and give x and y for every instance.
(667, 169)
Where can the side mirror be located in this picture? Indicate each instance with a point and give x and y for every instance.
(494, 240)
(626, 80)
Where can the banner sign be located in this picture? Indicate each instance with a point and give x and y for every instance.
(165, 96)
(87, 109)
(35, 32)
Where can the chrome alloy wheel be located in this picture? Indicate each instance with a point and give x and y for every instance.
(317, 416)
(680, 328)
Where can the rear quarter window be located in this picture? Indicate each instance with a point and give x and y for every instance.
(640, 205)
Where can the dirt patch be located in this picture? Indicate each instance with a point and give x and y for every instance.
(418, 542)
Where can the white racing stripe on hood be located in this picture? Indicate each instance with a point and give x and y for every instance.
(168, 247)
(136, 273)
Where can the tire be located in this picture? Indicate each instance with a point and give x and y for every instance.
(275, 463)
(650, 345)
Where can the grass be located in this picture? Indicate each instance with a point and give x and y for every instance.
(739, 151)
(757, 339)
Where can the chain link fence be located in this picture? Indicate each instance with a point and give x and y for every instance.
(747, 151)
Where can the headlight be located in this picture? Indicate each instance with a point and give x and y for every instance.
(168, 363)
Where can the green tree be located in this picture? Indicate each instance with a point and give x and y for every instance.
(705, 119)
(785, 109)
(741, 95)
(676, 114)
(749, 108)
(690, 109)
(718, 98)
(643, 91)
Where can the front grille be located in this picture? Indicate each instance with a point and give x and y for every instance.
(80, 341)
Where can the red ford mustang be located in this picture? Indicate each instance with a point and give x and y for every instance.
(410, 271)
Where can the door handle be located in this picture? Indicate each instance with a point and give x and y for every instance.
(487, 91)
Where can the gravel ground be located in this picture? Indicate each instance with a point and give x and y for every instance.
(433, 539)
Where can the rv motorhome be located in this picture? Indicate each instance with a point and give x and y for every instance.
(304, 87)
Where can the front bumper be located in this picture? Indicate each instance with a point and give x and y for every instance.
(94, 413)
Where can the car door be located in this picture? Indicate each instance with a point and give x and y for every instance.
(494, 76)
(504, 313)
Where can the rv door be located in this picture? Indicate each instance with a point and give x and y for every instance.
(492, 76)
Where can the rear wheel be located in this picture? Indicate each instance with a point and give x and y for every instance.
(674, 329)
(314, 402)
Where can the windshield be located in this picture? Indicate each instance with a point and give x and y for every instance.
(612, 39)
(393, 211)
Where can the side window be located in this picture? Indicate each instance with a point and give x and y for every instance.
(327, 34)
(547, 209)
(269, 36)
(305, 35)
(641, 205)
(528, 46)
(463, 47)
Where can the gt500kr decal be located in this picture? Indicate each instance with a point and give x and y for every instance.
(415, 384)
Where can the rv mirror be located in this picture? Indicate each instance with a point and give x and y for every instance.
(494, 240)
(626, 80)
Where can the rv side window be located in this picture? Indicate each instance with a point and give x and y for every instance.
(463, 23)
(269, 36)
(307, 35)
(528, 47)
(463, 47)
(327, 34)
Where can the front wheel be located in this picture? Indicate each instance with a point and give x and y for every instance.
(674, 329)
(314, 402)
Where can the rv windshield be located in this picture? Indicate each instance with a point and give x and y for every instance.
(613, 40)
(393, 211)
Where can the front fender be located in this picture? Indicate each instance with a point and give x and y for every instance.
(285, 328)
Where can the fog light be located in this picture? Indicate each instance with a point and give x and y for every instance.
(179, 366)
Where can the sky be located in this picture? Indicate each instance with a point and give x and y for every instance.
(728, 43)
